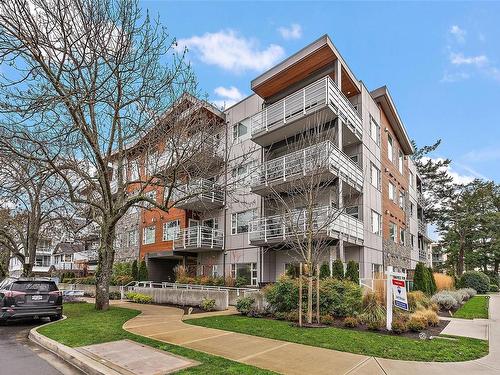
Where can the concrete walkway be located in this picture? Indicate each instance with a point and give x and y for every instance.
(165, 324)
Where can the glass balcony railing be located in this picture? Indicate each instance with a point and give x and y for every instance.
(199, 194)
(321, 93)
(199, 237)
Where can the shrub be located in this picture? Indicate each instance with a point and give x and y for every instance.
(373, 313)
(463, 293)
(340, 298)
(399, 326)
(338, 269)
(138, 297)
(459, 296)
(476, 280)
(444, 300)
(432, 283)
(143, 271)
(422, 279)
(494, 288)
(135, 270)
(115, 295)
(431, 316)
(471, 292)
(240, 282)
(282, 296)
(326, 319)
(351, 321)
(324, 271)
(443, 281)
(417, 322)
(278, 315)
(121, 280)
(352, 271)
(207, 304)
(292, 316)
(245, 305)
(417, 300)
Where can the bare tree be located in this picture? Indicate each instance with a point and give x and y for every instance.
(310, 188)
(34, 199)
(99, 89)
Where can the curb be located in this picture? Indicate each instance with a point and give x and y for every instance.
(70, 355)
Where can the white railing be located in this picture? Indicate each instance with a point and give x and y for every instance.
(422, 226)
(200, 188)
(324, 155)
(64, 266)
(199, 237)
(44, 250)
(304, 101)
(323, 220)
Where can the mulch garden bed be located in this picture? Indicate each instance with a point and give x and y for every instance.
(448, 314)
(339, 323)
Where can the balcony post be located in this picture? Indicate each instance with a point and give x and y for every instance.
(265, 230)
(265, 120)
(184, 232)
(304, 101)
(304, 162)
(213, 235)
(284, 168)
(284, 110)
(198, 240)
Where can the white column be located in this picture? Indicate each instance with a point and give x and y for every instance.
(337, 68)
(388, 323)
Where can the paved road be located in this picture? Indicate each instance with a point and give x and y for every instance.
(19, 356)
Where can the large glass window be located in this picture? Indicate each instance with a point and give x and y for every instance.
(148, 236)
(241, 174)
(392, 191)
(375, 176)
(239, 131)
(401, 199)
(400, 162)
(239, 221)
(246, 271)
(132, 238)
(389, 148)
(171, 230)
(402, 236)
(374, 130)
(376, 222)
(151, 195)
(393, 231)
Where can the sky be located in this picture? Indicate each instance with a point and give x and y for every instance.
(440, 61)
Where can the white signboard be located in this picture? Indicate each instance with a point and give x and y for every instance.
(399, 294)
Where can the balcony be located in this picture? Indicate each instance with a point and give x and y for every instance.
(422, 227)
(324, 158)
(287, 116)
(199, 195)
(420, 199)
(328, 222)
(44, 251)
(199, 238)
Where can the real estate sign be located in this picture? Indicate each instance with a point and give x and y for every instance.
(399, 293)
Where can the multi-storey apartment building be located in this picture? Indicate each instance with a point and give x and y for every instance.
(234, 228)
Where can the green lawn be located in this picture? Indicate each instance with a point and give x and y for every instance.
(367, 343)
(86, 326)
(476, 307)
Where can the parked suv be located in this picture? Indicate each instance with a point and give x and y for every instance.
(29, 298)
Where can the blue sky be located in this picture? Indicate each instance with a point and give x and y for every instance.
(441, 61)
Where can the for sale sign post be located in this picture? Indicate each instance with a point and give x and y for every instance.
(399, 293)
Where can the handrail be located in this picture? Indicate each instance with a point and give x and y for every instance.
(200, 186)
(164, 285)
(199, 236)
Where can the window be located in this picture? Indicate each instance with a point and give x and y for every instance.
(392, 231)
(377, 271)
(412, 240)
(375, 176)
(411, 208)
(389, 147)
(353, 211)
(132, 238)
(171, 230)
(355, 159)
(402, 236)
(376, 223)
(374, 130)
(239, 131)
(401, 199)
(241, 174)
(412, 179)
(239, 221)
(148, 236)
(134, 170)
(400, 162)
(152, 163)
(246, 271)
(392, 191)
(212, 223)
(151, 195)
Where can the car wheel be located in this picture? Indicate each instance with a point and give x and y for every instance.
(55, 318)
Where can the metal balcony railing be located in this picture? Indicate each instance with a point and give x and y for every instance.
(420, 199)
(324, 155)
(202, 189)
(323, 221)
(199, 237)
(307, 100)
(422, 227)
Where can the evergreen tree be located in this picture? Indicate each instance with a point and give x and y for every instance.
(420, 278)
(338, 269)
(143, 271)
(135, 270)
(352, 271)
(432, 281)
(324, 271)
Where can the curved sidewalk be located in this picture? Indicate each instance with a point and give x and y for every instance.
(165, 324)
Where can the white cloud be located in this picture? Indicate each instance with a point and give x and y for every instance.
(458, 33)
(228, 96)
(230, 51)
(460, 59)
(292, 32)
(454, 77)
(459, 177)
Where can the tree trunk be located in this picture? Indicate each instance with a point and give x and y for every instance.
(309, 294)
(105, 270)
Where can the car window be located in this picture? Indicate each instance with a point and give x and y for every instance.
(34, 286)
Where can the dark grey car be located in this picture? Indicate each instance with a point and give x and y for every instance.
(29, 298)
